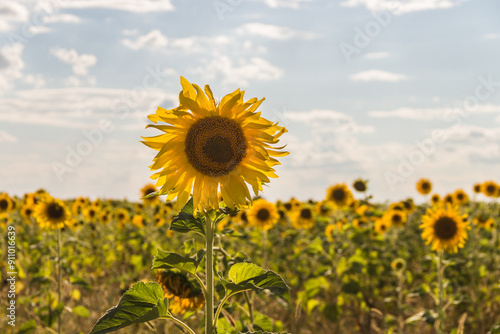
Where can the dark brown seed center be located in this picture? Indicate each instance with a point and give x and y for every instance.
(55, 211)
(4, 204)
(338, 195)
(263, 214)
(445, 228)
(306, 213)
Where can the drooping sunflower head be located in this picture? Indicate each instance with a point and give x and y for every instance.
(263, 214)
(183, 295)
(52, 213)
(146, 190)
(445, 228)
(339, 195)
(209, 147)
(460, 197)
(360, 185)
(490, 188)
(424, 186)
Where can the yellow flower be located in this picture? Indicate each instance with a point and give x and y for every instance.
(339, 195)
(435, 199)
(476, 188)
(382, 225)
(122, 216)
(460, 197)
(323, 208)
(332, 227)
(361, 222)
(303, 218)
(146, 190)
(484, 222)
(138, 221)
(6, 205)
(424, 186)
(398, 264)
(409, 205)
(445, 228)
(489, 188)
(399, 206)
(395, 217)
(91, 213)
(263, 214)
(208, 147)
(27, 212)
(51, 213)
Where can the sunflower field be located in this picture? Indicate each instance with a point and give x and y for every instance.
(197, 253)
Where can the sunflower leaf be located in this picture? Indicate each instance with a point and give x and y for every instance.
(151, 195)
(248, 276)
(185, 222)
(141, 303)
(167, 260)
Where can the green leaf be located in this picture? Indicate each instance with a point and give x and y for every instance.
(143, 302)
(331, 312)
(185, 222)
(262, 322)
(168, 260)
(351, 287)
(248, 276)
(28, 327)
(81, 311)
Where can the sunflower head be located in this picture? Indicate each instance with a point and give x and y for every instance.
(382, 225)
(476, 188)
(435, 199)
(52, 214)
(303, 218)
(263, 214)
(398, 265)
(445, 228)
(6, 204)
(360, 185)
(146, 190)
(339, 195)
(424, 186)
(490, 188)
(183, 295)
(484, 221)
(460, 197)
(395, 217)
(208, 147)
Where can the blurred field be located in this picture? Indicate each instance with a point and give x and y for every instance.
(345, 275)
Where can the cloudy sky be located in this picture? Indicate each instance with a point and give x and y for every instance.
(390, 91)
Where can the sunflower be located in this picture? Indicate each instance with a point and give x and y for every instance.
(424, 186)
(398, 206)
(323, 208)
(332, 227)
(361, 222)
(409, 205)
(303, 218)
(6, 204)
(121, 215)
(445, 228)
(360, 185)
(435, 199)
(448, 199)
(138, 221)
(339, 195)
(263, 214)
(395, 217)
(382, 225)
(51, 213)
(484, 221)
(159, 220)
(489, 188)
(460, 197)
(146, 190)
(208, 147)
(476, 188)
(91, 213)
(398, 264)
(182, 294)
(27, 212)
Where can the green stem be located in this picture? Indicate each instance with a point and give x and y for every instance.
(250, 309)
(182, 324)
(440, 292)
(219, 309)
(209, 297)
(59, 278)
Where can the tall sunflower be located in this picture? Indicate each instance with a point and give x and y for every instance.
(208, 147)
(435, 199)
(146, 190)
(490, 188)
(182, 294)
(424, 186)
(460, 197)
(52, 213)
(360, 185)
(395, 217)
(6, 204)
(263, 214)
(339, 195)
(445, 228)
(303, 218)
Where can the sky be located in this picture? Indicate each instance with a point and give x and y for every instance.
(388, 91)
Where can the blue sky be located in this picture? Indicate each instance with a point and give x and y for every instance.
(390, 91)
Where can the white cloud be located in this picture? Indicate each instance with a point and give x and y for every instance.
(81, 63)
(427, 114)
(377, 75)
(491, 36)
(402, 7)
(36, 81)
(273, 31)
(11, 65)
(240, 73)
(12, 12)
(130, 32)
(7, 138)
(36, 30)
(152, 40)
(327, 121)
(377, 55)
(134, 6)
(295, 4)
(61, 18)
